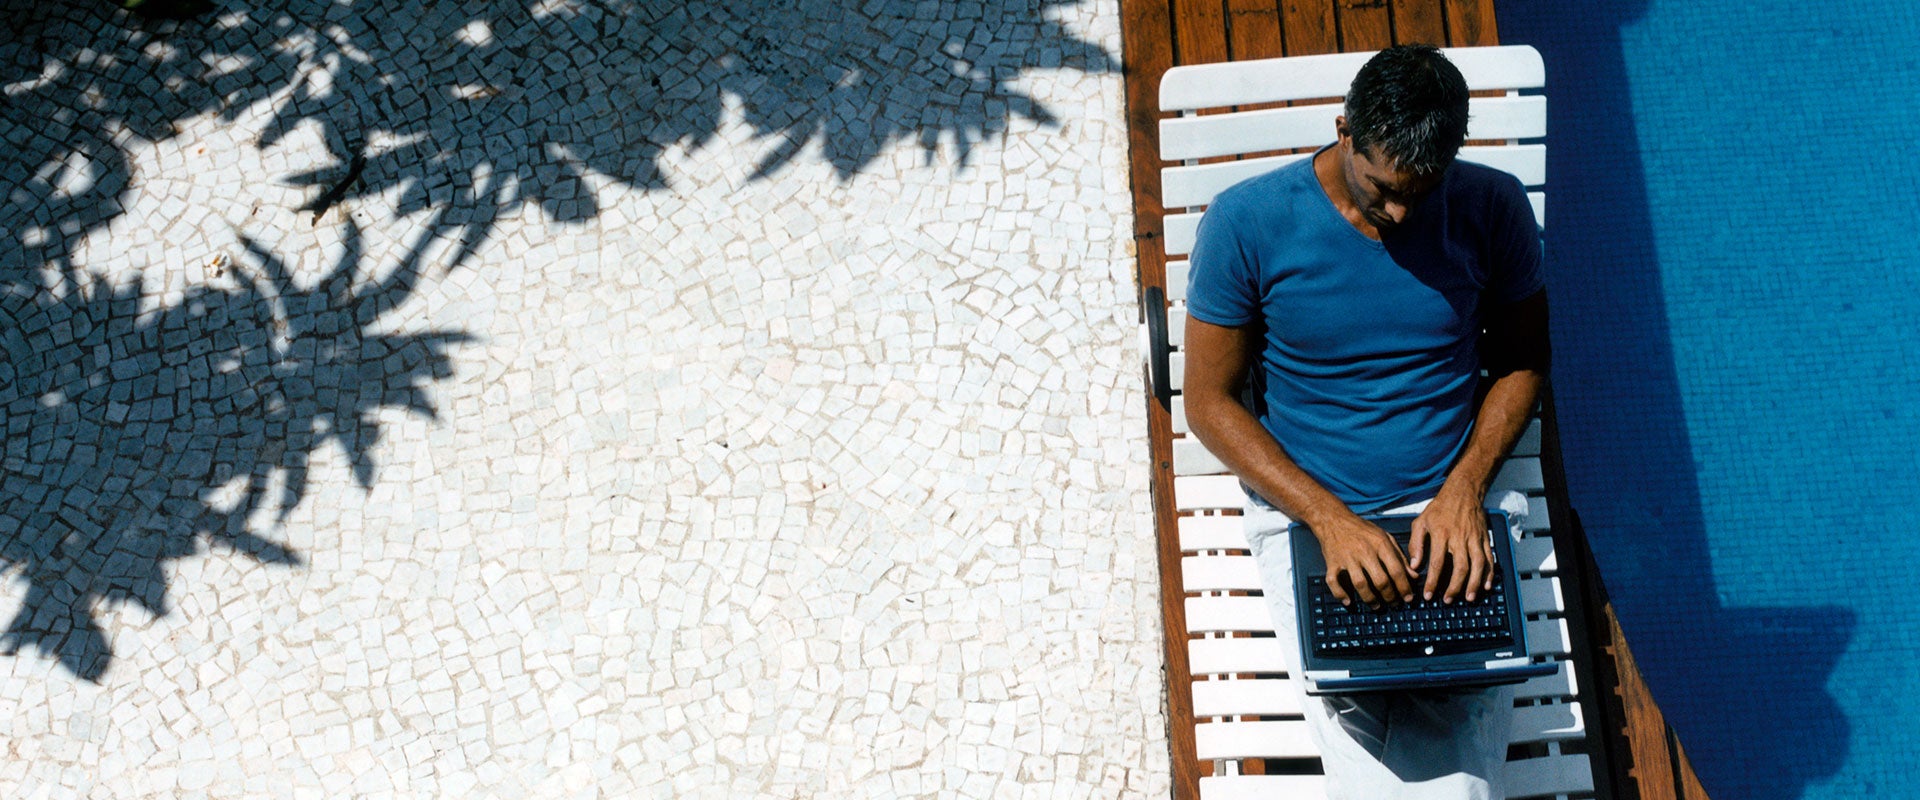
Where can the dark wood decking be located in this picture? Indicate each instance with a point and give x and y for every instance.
(1640, 755)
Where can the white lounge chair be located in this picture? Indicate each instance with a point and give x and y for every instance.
(1240, 707)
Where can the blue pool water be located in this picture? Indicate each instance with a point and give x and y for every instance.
(1734, 195)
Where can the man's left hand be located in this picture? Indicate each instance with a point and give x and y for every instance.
(1450, 537)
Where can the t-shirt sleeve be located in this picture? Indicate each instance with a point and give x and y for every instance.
(1519, 271)
(1221, 287)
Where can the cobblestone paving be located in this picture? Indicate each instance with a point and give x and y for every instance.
(572, 399)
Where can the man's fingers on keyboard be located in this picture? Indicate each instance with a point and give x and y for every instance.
(1478, 570)
(1457, 576)
(1388, 584)
(1363, 586)
(1394, 582)
(1338, 588)
(1486, 584)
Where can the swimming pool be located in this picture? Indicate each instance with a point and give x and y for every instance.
(1736, 295)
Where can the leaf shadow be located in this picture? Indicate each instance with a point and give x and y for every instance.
(134, 437)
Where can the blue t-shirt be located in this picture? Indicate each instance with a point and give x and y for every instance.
(1369, 364)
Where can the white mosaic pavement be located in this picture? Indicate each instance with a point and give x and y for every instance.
(679, 401)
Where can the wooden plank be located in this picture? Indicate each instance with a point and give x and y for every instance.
(1470, 23)
(1147, 53)
(1364, 24)
(1419, 22)
(1645, 727)
(1308, 27)
(1199, 31)
(1253, 30)
(1658, 766)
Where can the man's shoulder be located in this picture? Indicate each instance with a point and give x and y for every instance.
(1269, 192)
(1470, 178)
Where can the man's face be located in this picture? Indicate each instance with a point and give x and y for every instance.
(1383, 192)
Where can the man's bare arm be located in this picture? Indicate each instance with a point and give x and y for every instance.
(1217, 358)
(1517, 356)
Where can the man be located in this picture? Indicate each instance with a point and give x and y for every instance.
(1360, 292)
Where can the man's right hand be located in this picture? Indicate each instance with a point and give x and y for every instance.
(1372, 563)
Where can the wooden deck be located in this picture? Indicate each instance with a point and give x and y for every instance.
(1640, 757)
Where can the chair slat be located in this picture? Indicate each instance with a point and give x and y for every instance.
(1546, 776)
(1177, 280)
(1557, 686)
(1568, 773)
(1528, 162)
(1206, 492)
(1225, 614)
(1274, 80)
(1178, 233)
(1212, 533)
(1287, 738)
(1260, 697)
(1214, 573)
(1276, 129)
(1534, 554)
(1263, 787)
(1270, 697)
(1191, 185)
(1538, 595)
(1232, 656)
(1548, 637)
(1549, 723)
(1529, 443)
(1196, 184)
(1235, 656)
(1520, 475)
(1191, 457)
(1541, 596)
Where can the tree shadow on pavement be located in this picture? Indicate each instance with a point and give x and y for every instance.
(136, 435)
(484, 107)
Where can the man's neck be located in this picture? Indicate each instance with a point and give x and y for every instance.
(1330, 168)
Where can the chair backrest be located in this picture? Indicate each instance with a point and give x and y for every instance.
(1241, 708)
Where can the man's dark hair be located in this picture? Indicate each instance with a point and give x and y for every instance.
(1411, 103)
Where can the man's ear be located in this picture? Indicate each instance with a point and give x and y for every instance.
(1340, 127)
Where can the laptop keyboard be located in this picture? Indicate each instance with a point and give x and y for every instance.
(1422, 627)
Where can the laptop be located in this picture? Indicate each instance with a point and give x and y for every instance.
(1425, 644)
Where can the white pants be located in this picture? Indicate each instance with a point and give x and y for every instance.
(1413, 745)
